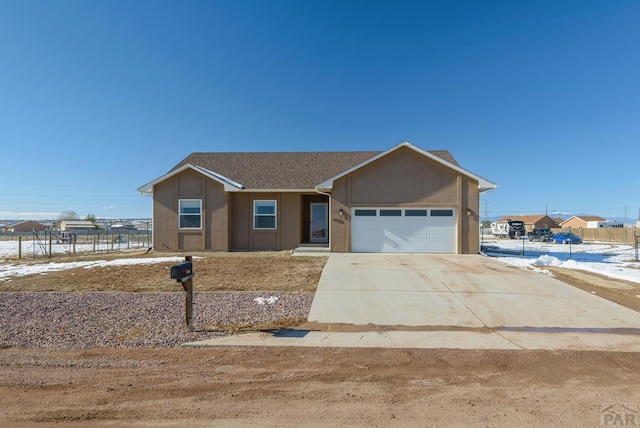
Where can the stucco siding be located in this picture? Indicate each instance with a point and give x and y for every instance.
(290, 220)
(241, 223)
(287, 234)
(165, 216)
(340, 225)
(216, 217)
(213, 233)
(574, 223)
(403, 177)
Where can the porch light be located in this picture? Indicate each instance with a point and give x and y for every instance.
(468, 212)
(341, 212)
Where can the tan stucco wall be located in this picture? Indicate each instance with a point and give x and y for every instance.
(574, 223)
(286, 236)
(214, 234)
(405, 178)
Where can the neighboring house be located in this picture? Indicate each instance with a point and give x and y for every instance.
(533, 221)
(23, 226)
(583, 221)
(75, 225)
(404, 199)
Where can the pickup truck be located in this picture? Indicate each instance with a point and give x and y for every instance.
(542, 234)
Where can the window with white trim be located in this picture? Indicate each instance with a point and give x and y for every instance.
(190, 213)
(264, 214)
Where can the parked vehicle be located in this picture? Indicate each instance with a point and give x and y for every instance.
(542, 234)
(566, 238)
(508, 228)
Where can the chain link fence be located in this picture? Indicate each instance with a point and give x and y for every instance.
(48, 244)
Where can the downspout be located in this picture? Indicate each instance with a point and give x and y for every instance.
(328, 195)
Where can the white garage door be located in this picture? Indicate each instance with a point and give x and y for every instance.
(403, 230)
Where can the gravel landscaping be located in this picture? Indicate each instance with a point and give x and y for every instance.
(132, 320)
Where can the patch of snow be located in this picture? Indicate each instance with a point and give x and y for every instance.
(12, 270)
(615, 261)
(268, 300)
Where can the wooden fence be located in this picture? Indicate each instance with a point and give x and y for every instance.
(626, 235)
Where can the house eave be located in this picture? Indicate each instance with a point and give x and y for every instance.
(229, 185)
(249, 190)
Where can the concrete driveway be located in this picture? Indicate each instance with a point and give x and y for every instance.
(456, 301)
(463, 291)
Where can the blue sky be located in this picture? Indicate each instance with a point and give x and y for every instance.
(100, 97)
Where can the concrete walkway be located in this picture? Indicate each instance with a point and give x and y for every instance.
(452, 301)
(433, 339)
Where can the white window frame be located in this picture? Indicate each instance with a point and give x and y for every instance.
(180, 214)
(274, 215)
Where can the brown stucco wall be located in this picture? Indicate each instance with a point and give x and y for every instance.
(286, 236)
(189, 184)
(405, 178)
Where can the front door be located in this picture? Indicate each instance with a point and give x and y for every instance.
(319, 222)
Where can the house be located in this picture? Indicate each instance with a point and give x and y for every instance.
(23, 226)
(533, 221)
(75, 225)
(404, 199)
(583, 221)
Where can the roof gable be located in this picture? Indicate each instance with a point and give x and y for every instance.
(584, 218)
(226, 182)
(482, 183)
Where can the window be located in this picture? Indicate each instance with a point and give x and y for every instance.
(190, 213)
(441, 213)
(264, 214)
(415, 213)
(390, 213)
(365, 213)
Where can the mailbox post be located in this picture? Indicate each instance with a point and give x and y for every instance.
(183, 273)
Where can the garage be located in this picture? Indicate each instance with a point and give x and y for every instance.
(403, 230)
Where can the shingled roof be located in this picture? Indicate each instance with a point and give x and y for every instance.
(284, 170)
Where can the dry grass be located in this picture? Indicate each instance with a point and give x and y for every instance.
(268, 271)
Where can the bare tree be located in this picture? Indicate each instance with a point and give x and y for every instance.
(68, 215)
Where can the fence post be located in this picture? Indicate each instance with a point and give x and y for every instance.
(19, 247)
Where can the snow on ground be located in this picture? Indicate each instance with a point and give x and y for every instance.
(9, 249)
(616, 261)
(10, 270)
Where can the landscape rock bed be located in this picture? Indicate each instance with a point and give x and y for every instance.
(132, 320)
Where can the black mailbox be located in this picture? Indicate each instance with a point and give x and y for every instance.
(181, 271)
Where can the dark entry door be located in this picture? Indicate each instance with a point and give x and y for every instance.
(319, 222)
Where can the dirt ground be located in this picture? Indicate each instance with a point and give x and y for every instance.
(307, 386)
(282, 387)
